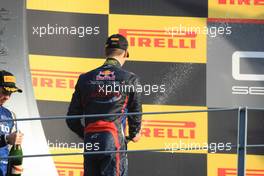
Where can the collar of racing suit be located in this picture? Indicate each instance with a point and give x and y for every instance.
(112, 61)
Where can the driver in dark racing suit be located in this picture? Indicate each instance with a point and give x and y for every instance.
(106, 90)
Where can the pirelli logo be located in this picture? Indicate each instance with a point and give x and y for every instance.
(242, 2)
(69, 168)
(232, 171)
(54, 79)
(168, 129)
(235, 10)
(156, 42)
(159, 39)
(9, 79)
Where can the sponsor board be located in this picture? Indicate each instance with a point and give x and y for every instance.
(73, 165)
(185, 83)
(255, 132)
(223, 127)
(168, 131)
(66, 34)
(235, 77)
(154, 38)
(160, 7)
(236, 9)
(254, 61)
(80, 6)
(226, 165)
(54, 78)
(167, 164)
(68, 165)
(156, 131)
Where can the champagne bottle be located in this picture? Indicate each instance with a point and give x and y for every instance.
(15, 164)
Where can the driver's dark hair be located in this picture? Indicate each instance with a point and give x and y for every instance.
(111, 52)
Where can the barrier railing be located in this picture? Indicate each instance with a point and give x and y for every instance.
(241, 138)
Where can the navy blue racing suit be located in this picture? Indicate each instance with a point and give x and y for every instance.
(106, 90)
(5, 129)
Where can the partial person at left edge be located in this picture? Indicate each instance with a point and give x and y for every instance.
(8, 134)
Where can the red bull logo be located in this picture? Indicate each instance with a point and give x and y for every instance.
(106, 75)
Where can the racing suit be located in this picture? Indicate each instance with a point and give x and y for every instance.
(5, 129)
(106, 90)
